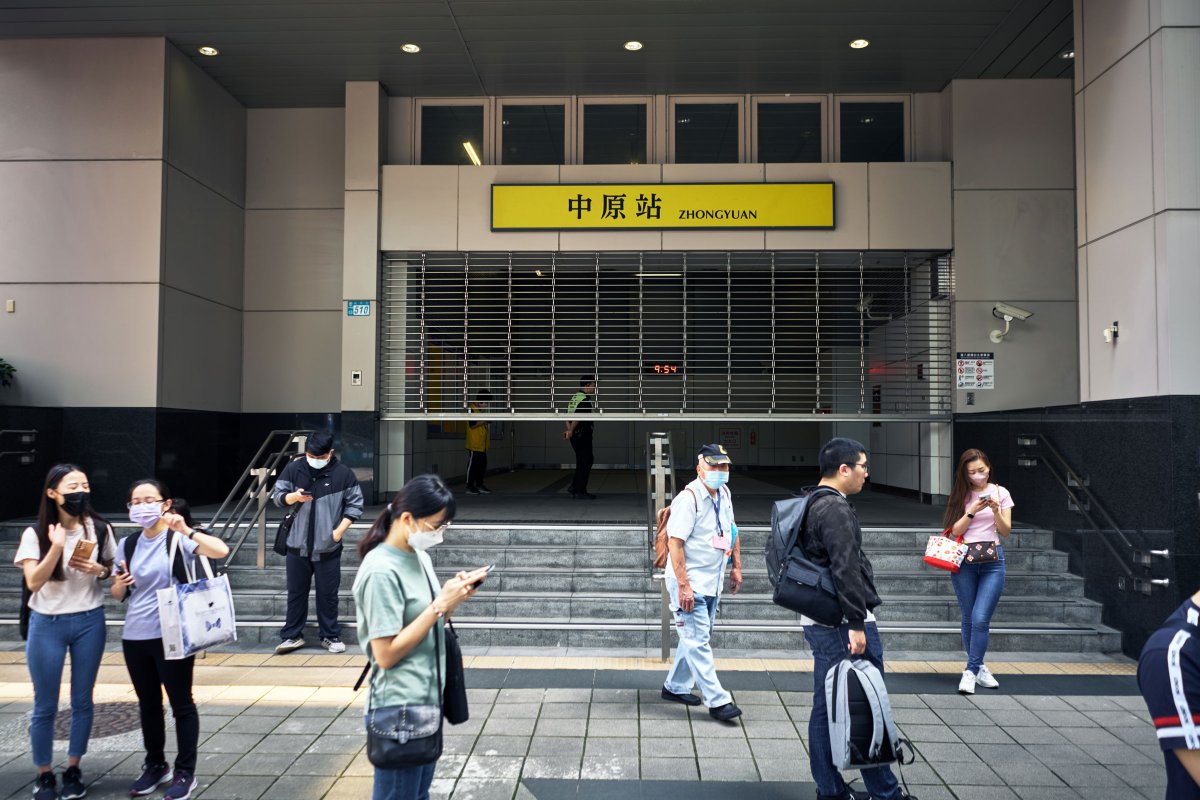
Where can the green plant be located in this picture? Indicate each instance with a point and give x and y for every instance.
(6, 373)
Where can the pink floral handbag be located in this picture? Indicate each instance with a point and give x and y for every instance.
(944, 552)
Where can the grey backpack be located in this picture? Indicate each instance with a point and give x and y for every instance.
(861, 729)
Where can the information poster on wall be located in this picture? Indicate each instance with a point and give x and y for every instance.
(729, 438)
(975, 371)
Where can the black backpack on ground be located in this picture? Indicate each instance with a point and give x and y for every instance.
(800, 585)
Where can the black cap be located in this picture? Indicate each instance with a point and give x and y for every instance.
(714, 454)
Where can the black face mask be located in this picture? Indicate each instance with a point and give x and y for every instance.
(75, 503)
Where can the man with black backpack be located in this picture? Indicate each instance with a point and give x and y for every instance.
(832, 538)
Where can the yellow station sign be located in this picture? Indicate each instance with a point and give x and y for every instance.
(661, 206)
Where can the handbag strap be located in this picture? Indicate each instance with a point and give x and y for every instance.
(437, 658)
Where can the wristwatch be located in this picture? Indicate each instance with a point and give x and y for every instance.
(106, 574)
(970, 515)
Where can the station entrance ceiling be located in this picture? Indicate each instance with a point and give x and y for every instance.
(785, 336)
(295, 53)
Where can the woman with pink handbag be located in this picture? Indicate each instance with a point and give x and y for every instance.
(981, 513)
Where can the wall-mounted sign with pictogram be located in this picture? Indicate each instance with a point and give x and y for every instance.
(975, 371)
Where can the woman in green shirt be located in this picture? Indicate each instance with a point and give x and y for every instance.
(397, 611)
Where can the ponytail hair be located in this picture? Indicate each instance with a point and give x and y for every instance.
(423, 496)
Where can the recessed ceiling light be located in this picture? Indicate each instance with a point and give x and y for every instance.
(1069, 54)
(633, 45)
(410, 48)
(207, 50)
(859, 44)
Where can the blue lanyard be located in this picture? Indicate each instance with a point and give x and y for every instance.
(716, 501)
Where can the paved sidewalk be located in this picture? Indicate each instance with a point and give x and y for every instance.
(592, 728)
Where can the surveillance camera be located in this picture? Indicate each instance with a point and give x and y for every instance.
(1003, 310)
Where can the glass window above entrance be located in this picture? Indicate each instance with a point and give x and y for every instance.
(707, 133)
(872, 131)
(533, 134)
(789, 132)
(446, 132)
(614, 133)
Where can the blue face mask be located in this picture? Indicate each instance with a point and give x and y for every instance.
(715, 480)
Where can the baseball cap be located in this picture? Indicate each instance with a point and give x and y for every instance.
(714, 454)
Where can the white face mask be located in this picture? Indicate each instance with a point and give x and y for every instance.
(317, 463)
(423, 540)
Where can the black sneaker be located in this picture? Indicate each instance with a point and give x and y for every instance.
(182, 787)
(686, 699)
(73, 787)
(725, 713)
(850, 794)
(484, 490)
(153, 776)
(45, 787)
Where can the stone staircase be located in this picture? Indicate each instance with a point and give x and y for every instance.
(588, 587)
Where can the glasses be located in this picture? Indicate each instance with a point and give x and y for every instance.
(864, 465)
(136, 503)
(441, 528)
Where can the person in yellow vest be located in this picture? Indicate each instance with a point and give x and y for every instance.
(477, 446)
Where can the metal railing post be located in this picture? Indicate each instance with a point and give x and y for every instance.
(262, 474)
(660, 490)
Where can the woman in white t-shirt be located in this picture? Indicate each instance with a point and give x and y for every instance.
(64, 557)
(981, 512)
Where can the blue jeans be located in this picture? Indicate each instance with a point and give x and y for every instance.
(829, 646)
(51, 637)
(410, 783)
(693, 654)
(978, 587)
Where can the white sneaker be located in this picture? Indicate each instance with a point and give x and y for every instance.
(986, 679)
(288, 645)
(967, 684)
(334, 645)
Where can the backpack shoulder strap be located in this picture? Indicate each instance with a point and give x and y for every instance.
(130, 547)
(798, 534)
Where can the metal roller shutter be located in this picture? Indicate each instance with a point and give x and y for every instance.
(746, 335)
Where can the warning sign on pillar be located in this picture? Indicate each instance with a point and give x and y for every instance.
(975, 371)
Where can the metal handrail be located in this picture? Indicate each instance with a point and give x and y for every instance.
(252, 489)
(1123, 559)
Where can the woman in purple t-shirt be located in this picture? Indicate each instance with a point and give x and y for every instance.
(981, 512)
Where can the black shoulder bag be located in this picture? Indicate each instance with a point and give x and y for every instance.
(408, 735)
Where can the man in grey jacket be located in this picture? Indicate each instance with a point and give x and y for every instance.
(329, 501)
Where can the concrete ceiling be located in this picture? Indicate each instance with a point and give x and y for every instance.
(280, 53)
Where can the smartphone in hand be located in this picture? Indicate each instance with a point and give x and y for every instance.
(83, 550)
(489, 569)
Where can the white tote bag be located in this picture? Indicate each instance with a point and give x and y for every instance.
(195, 615)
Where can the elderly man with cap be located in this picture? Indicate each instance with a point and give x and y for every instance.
(702, 540)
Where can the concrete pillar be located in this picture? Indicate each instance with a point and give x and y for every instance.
(366, 144)
(1137, 138)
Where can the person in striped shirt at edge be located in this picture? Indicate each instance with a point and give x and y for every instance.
(1169, 679)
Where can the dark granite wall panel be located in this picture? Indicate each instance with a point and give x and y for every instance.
(357, 441)
(20, 485)
(1142, 460)
(115, 445)
(195, 453)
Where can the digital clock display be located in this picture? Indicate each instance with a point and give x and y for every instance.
(664, 368)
